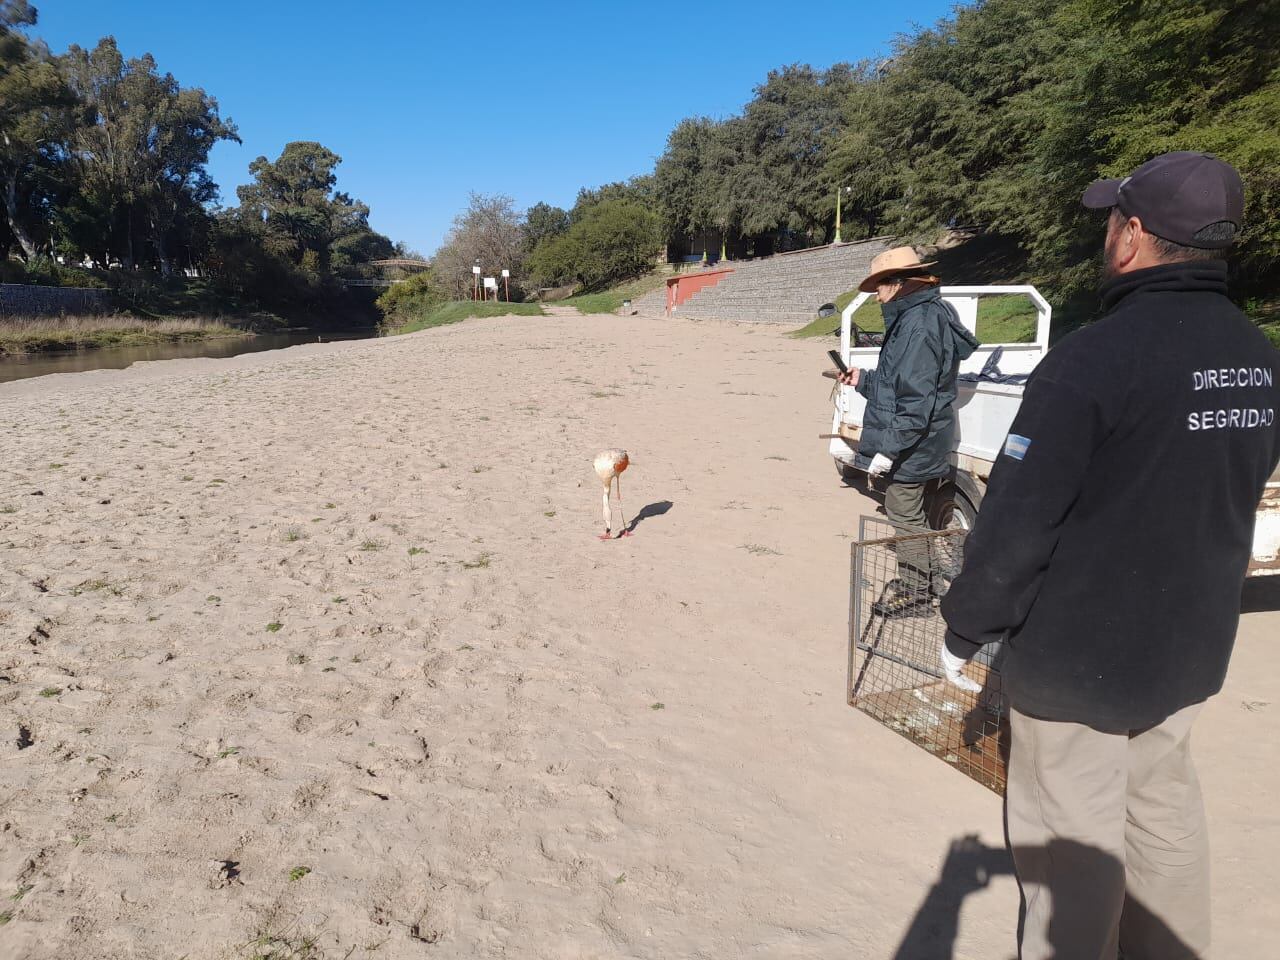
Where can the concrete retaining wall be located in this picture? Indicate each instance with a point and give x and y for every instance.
(785, 288)
(36, 301)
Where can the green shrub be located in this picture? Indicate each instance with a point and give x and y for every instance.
(416, 296)
(49, 273)
(614, 241)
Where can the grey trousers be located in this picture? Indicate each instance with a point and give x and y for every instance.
(904, 505)
(1109, 841)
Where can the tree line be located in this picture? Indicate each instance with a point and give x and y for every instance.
(103, 164)
(996, 118)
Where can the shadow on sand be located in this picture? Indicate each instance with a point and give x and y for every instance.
(969, 867)
(651, 510)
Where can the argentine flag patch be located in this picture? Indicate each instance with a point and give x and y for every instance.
(1016, 446)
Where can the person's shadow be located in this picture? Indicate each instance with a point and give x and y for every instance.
(650, 510)
(969, 867)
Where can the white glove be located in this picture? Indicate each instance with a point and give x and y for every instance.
(953, 668)
(880, 464)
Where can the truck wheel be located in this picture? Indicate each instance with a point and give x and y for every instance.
(847, 473)
(952, 510)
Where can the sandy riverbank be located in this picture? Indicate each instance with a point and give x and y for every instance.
(319, 644)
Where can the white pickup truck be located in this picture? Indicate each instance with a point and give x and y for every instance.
(986, 411)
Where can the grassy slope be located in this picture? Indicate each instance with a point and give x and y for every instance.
(610, 301)
(1000, 319)
(20, 335)
(458, 310)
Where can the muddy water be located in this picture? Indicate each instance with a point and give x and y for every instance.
(117, 358)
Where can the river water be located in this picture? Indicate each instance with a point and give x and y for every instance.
(117, 358)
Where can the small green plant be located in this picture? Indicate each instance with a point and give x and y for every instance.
(479, 563)
(228, 752)
(22, 892)
(50, 691)
(8, 508)
(213, 598)
(548, 513)
(283, 946)
(621, 878)
(658, 706)
(370, 545)
(339, 599)
(79, 839)
(760, 551)
(274, 627)
(480, 469)
(331, 506)
(297, 873)
(414, 551)
(292, 535)
(298, 659)
(56, 466)
(5, 917)
(113, 818)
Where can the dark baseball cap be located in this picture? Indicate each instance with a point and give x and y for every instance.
(1193, 199)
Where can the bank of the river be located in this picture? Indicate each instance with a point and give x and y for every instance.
(22, 336)
(118, 356)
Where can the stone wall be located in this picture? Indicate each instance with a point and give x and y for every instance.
(36, 301)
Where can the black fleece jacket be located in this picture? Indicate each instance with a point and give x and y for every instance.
(1113, 539)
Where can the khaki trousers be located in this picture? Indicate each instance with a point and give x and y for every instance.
(904, 506)
(1109, 841)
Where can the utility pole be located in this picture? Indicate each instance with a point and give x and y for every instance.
(838, 193)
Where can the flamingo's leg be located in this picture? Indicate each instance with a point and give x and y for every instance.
(625, 530)
(606, 512)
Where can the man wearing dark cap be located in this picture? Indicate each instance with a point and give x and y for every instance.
(1109, 553)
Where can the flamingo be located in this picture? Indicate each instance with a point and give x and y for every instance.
(609, 465)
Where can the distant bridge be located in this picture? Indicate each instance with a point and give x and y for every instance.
(393, 263)
(403, 263)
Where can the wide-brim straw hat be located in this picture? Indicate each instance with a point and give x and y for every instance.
(893, 262)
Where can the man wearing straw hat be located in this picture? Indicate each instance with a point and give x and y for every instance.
(1110, 551)
(909, 427)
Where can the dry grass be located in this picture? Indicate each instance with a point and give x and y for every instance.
(41, 334)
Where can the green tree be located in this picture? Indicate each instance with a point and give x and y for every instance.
(543, 222)
(139, 151)
(303, 216)
(615, 240)
(688, 175)
(638, 189)
(34, 117)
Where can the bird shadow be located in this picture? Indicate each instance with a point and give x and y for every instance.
(650, 510)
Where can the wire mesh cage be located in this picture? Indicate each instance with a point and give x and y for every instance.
(895, 633)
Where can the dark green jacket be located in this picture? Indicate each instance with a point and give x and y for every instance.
(911, 395)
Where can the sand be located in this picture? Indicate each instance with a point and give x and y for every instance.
(313, 653)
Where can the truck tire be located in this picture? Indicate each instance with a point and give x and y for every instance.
(951, 509)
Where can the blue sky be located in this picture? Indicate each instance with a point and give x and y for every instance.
(427, 101)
